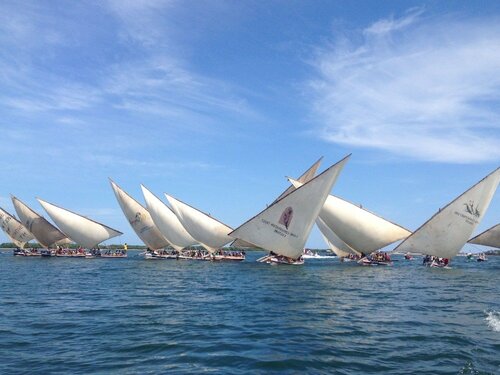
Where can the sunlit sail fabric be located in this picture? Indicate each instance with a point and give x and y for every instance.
(140, 220)
(167, 222)
(209, 232)
(339, 247)
(306, 176)
(45, 233)
(83, 231)
(13, 228)
(285, 225)
(360, 229)
(490, 237)
(445, 233)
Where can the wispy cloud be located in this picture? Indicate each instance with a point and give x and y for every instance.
(142, 20)
(424, 88)
(113, 160)
(163, 87)
(43, 70)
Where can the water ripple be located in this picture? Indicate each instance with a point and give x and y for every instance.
(132, 316)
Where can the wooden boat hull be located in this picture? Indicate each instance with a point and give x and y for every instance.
(368, 262)
(71, 255)
(274, 260)
(227, 258)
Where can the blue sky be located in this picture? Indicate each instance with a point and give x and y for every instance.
(216, 102)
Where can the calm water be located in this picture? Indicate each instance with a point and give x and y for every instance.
(131, 316)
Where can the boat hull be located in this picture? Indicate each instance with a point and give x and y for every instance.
(368, 262)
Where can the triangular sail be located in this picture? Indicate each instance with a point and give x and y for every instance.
(209, 232)
(140, 220)
(83, 231)
(445, 233)
(358, 228)
(13, 228)
(45, 233)
(284, 226)
(339, 247)
(490, 237)
(167, 222)
(306, 176)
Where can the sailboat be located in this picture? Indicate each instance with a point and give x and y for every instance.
(211, 233)
(284, 226)
(361, 230)
(141, 222)
(490, 237)
(304, 177)
(168, 224)
(445, 233)
(43, 231)
(83, 231)
(16, 232)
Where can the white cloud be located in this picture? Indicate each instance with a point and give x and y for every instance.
(113, 160)
(40, 69)
(162, 86)
(142, 20)
(421, 88)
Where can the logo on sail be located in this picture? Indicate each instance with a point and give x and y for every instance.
(471, 209)
(137, 219)
(286, 217)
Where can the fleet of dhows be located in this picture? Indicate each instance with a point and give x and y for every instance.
(351, 232)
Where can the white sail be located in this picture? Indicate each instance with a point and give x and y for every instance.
(83, 231)
(360, 229)
(445, 233)
(284, 226)
(17, 233)
(490, 237)
(306, 176)
(45, 233)
(209, 232)
(167, 222)
(339, 247)
(140, 219)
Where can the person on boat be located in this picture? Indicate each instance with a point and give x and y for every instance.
(426, 260)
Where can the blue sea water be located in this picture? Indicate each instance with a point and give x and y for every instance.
(132, 316)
